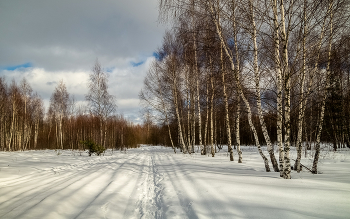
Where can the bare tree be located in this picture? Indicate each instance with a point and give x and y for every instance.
(59, 104)
(101, 103)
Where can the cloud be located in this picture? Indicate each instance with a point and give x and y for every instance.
(70, 35)
(49, 41)
(124, 83)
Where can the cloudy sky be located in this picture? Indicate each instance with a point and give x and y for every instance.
(46, 41)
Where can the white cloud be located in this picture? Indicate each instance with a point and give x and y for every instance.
(125, 83)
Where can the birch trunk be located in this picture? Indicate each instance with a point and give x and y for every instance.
(301, 106)
(188, 113)
(211, 118)
(61, 132)
(101, 132)
(14, 107)
(175, 95)
(323, 106)
(238, 140)
(36, 132)
(57, 136)
(304, 97)
(239, 86)
(105, 135)
(279, 86)
(206, 125)
(258, 94)
(227, 120)
(198, 97)
(287, 89)
(166, 115)
(171, 139)
(193, 122)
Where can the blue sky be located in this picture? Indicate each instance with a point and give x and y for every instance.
(135, 64)
(48, 41)
(16, 67)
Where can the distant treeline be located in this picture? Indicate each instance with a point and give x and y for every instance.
(25, 125)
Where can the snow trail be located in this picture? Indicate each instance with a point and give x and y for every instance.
(153, 182)
(149, 204)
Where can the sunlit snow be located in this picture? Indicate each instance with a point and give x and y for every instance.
(153, 182)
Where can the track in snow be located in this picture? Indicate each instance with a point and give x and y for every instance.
(153, 182)
(149, 204)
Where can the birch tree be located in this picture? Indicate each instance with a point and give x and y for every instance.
(100, 102)
(59, 104)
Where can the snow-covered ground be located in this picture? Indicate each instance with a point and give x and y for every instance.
(153, 182)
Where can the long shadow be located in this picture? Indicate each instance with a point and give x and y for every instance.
(57, 181)
(57, 184)
(46, 174)
(129, 206)
(184, 202)
(38, 194)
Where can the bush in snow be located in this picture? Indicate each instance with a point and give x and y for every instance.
(93, 148)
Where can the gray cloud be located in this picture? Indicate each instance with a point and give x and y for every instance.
(51, 83)
(62, 39)
(65, 34)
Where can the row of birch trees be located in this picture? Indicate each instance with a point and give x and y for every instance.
(25, 125)
(278, 67)
(21, 112)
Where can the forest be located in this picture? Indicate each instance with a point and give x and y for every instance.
(25, 125)
(270, 72)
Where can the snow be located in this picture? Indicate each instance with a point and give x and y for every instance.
(153, 182)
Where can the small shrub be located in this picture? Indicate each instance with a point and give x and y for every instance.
(93, 148)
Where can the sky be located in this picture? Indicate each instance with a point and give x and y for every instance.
(47, 41)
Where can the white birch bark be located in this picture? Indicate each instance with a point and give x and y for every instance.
(258, 94)
(323, 104)
(164, 112)
(287, 90)
(36, 132)
(237, 72)
(279, 86)
(218, 30)
(301, 105)
(12, 130)
(198, 97)
(188, 113)
(175, 96)
(60, 132)
(206, 124)
(310, 85)
(227, 119)
(238, 139)
(193, 122)
(211, 117)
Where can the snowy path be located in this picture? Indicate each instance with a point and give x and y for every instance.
(152, 182)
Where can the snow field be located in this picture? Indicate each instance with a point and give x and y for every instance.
(153, 182)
